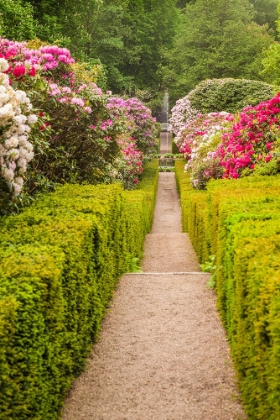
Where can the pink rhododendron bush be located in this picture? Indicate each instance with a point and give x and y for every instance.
(253, 141)
(135, 142)
(128, 165)
(220, 145)
(56, 129)
(143, 124)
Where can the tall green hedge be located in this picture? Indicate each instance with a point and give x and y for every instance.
(240, 219)
(194, 212)
(60, 260)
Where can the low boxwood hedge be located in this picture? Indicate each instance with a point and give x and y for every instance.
(240, 222)
(60, 260)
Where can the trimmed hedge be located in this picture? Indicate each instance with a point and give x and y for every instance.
(194, 212)
(60, 261)
(174, 148)
(242, 223)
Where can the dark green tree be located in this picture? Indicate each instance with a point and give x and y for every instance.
(104, 35)
(16, 20)
(68, 22)
(153, 25)
(181, 4)
(217, 39)
(129, 38)
(266, 12)
(271, 61)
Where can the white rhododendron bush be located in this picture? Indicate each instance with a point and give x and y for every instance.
(15, 120)
(181, 115)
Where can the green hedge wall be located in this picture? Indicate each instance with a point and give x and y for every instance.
(242, 223)
(60, 260)
(174, 148)
(194, 212)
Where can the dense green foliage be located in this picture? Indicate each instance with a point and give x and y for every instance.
(266, 12)
(60, 260)
(229, 94)
(217, 39)
(127, 36)
(146, 28)
(16, 20)
(238, 222)
(271, 61)
(147, 46)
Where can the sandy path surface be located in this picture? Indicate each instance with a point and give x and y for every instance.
(162, 353)
(167, 249)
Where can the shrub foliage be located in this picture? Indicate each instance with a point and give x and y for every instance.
(237, 221)
(230, 95)
(60, 260)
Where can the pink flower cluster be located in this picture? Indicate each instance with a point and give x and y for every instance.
(134, 158)
(128, 166)
(251, 139)
(144, 128)
(24, 60)
(65, 94)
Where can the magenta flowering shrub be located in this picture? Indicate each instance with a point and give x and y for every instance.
(142, 123)
(25, 61)
(67, 148)
(253, 140)
(219, 145)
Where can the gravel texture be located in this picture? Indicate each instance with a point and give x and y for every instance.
(162, 352)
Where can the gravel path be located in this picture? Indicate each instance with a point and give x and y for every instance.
(162, 353)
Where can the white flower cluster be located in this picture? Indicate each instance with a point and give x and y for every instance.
(205, 141)
(182, 114)
(15, 149)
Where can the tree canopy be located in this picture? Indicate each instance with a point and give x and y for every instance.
(16, 20)
(266, 12)
(217, 39)
(147, 46)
